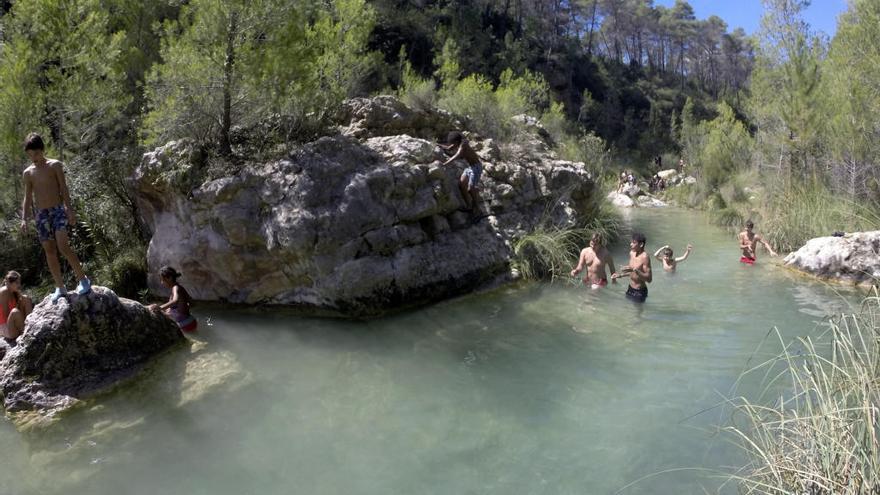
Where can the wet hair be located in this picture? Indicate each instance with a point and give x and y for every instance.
(454, 137)
(749, 224)
(12, 276)
(597, 238)
(34, 142)
(667, 252)
(639, 237)
(169, 272)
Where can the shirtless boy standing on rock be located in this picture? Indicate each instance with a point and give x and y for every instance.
(44, 184)
(638, 269)
(595, 258)
(748, 241)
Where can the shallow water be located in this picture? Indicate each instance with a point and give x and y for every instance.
(534, 389)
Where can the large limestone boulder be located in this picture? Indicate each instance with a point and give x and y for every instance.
(352, 224)
(79, 346)
(853, 258)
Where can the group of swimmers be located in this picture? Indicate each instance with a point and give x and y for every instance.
(596, 258)
(46, 188)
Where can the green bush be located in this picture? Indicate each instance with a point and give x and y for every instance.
(22, 253)
(474, 98)
(798, 212)
(125, 273)
(416, 92)
(726, 147)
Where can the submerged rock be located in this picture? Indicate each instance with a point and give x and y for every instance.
(77, 347)
(357, 223)
(853, 258)
(648, 201)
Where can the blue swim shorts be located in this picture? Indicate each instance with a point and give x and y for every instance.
(473, 174)
(49, 221)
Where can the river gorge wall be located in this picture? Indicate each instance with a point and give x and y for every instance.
(355, 223)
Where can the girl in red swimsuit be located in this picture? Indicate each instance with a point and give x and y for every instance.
(14, 306)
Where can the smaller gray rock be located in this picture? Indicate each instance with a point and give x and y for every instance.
(667, 174)
(631, 190)
(620, 200)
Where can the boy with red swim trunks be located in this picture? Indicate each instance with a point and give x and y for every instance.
(748, 241)
(44, 184)
(595, 258)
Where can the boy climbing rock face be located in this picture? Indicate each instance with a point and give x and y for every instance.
(469, 181)
(45, 186)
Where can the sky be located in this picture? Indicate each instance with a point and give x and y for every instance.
(821, 15)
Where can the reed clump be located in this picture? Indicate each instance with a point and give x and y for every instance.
(550, 251)
(820, 435)
(799, 212)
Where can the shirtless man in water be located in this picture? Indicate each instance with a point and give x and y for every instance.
(595, 258)
(748, 241)
(638, 269)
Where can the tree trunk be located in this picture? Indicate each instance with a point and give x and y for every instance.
(228, 72)
(592, 28)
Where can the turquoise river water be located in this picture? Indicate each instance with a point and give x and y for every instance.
(530, 389)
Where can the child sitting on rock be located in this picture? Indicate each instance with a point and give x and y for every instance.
(178, 305)
(14, 307)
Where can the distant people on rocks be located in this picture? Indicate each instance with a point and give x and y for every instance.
(681, 166)
(14, 306)
(595, 258)
(178, 306)
(638, 269)
(45, 186)
(621, 181)
(670, 262)
(469, 182)
(748, 241)
(657, 183)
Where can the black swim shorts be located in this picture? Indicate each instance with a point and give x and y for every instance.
(637, 295)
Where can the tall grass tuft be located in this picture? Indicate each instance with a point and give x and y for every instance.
(821, 434)
(800, 212)
(550, 251)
